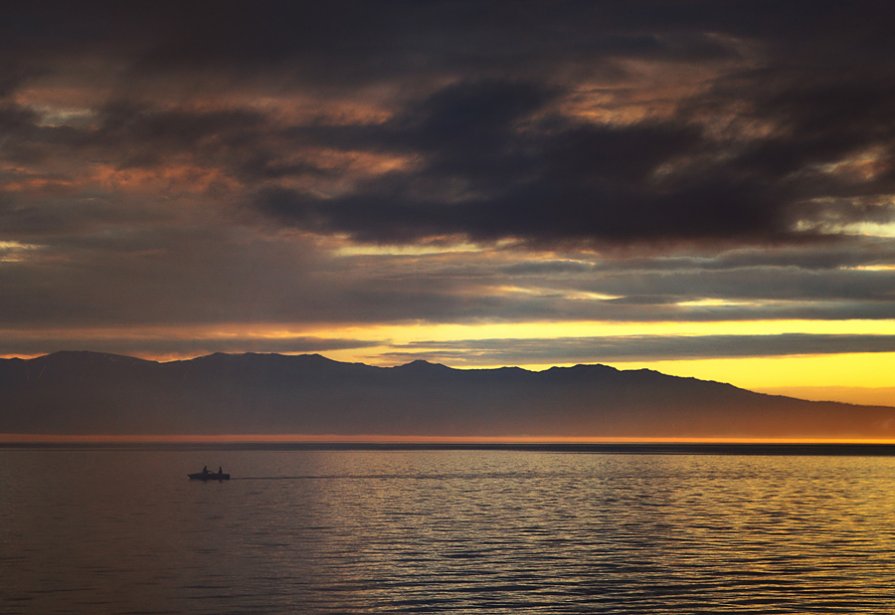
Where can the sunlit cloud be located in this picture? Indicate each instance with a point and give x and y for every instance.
(870, 229)
(713, 302)
(15, 251)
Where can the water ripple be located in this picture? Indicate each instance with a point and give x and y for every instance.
(446, 532)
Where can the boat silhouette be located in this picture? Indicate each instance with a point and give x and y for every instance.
(206, 475)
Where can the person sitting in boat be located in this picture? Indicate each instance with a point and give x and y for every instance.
(204, 469)
(220, 470)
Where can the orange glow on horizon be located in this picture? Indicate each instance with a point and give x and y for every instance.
(13, 438)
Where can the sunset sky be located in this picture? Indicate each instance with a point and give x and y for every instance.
(703, 188)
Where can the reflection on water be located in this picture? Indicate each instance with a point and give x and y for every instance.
(455, 531)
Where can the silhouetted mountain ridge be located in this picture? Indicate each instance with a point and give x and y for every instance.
(89, 392)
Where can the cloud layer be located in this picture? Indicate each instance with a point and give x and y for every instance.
(355, 162)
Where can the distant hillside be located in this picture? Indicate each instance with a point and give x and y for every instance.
(86, 392)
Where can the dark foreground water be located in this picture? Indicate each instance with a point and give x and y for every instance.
(103, 531)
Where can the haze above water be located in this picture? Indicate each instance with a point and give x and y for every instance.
(124, 531)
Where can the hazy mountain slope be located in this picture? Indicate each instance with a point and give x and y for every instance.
(84, 392)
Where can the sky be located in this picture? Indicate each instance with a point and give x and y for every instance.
(703, 188)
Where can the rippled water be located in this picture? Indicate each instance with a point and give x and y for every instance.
(100, 531)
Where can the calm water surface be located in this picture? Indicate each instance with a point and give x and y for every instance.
(102, 531)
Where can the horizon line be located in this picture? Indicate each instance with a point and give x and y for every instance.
(378, 439)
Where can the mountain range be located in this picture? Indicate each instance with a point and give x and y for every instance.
(96, 393)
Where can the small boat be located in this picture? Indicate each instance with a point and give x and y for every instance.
(206, 475)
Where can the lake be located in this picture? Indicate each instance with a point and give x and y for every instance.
(102, 530)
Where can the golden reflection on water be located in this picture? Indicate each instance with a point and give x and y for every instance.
(445, 531)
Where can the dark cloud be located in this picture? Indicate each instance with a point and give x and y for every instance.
(487, 173)
(757, 284)
(347, 41)
(498, 156)
(149, 135)
(555, 180)
(813, 256)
